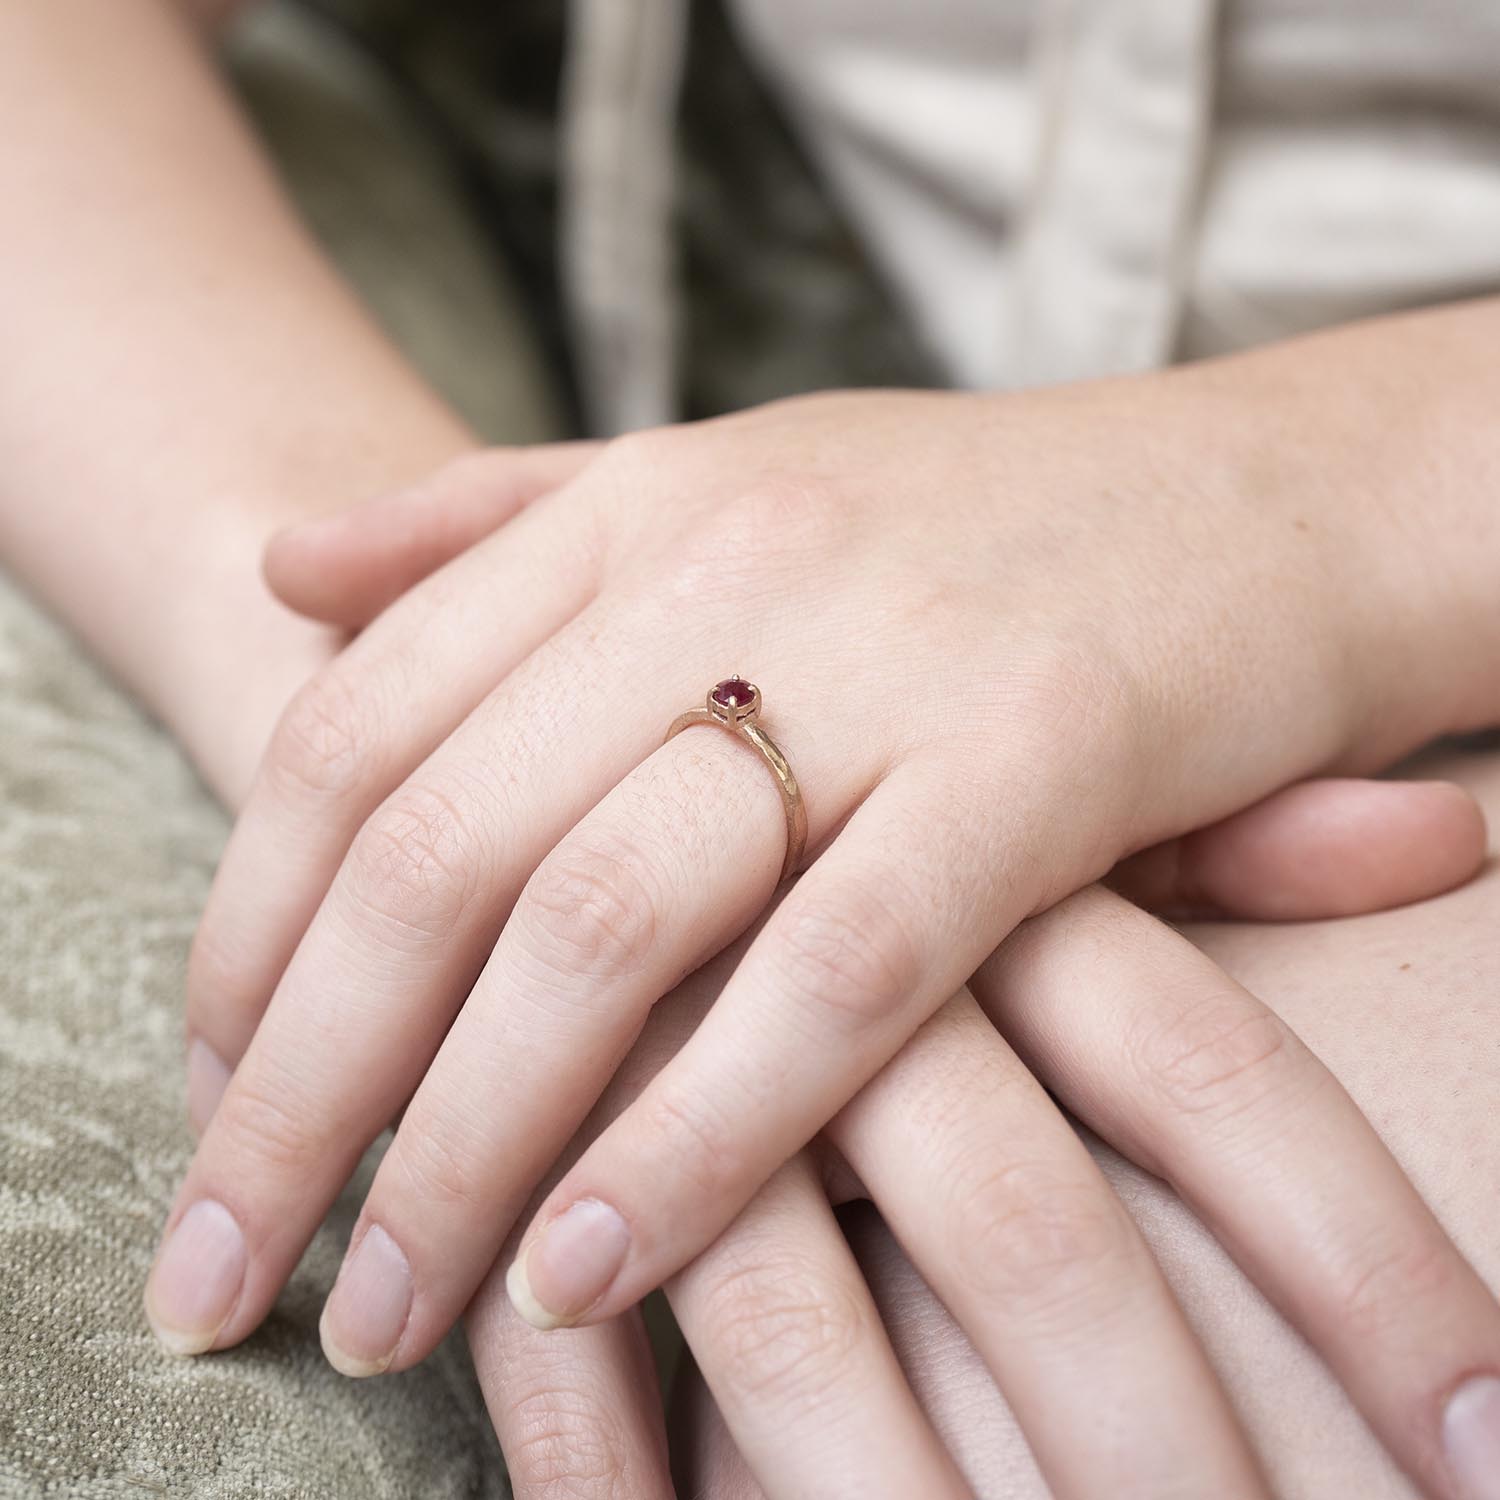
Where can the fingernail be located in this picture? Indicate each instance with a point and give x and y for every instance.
(366, 1313)
(569, 1266)
(1471, 1437)
(207, 1078)
(196, 1279)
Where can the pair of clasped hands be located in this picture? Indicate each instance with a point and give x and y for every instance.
(1036, 681)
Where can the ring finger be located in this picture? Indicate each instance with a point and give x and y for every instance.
(777, 1316)
(579, 1415)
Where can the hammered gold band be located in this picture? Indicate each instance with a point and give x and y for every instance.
(734, 704)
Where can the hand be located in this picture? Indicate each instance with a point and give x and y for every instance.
(770, 1307)
(1325, 848)
(957, 809)
(1004, 1213)
(1399, 1007)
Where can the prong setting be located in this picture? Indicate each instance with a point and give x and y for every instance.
(734, 701)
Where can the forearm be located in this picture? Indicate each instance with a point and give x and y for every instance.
(184, 373)
(1380, 440)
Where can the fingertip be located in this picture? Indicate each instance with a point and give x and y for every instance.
(1459, 825)
(207, 1078)
(1330, 847)
(345, 567)
(308, 567)
(346, 1364)
(366, 1316)
(284, 561)
(1336, 847)
(196, 1279)
(524, 1300)
(561, 1277)
(1435, 837)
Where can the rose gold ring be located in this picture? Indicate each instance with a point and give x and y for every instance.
(734, 704)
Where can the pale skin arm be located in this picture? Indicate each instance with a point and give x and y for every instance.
(184, 373)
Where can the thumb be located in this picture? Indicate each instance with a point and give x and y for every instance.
(1323, 848)
(346, 567)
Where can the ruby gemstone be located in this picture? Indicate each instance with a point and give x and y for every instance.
(733, 692)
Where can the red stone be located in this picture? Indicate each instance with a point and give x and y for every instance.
(733, 692)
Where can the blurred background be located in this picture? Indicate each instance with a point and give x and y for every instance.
(422, 144)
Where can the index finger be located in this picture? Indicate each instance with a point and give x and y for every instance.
(348, 566)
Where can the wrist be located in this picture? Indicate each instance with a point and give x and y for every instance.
(1367, 448)
(220, 657)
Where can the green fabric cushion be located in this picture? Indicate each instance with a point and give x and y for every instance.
(107, 844)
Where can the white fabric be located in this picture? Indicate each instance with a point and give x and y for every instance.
(1063, 188)
(1058, 189)
(624, 68)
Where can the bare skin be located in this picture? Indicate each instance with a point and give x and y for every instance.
(184, 371)
(1001, 1208)
(1399, 1004)
(145, 535)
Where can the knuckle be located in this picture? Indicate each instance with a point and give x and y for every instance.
(643, 451)
(413, 863)
(316, 748)
(1221, 1055)
(704, 1150)
(1027, 1237)
(1060, 710)
(777, 519)
(1055, 725)
(589, 908)
(267, 1130)
(1055, 690)
(779, 1330)
(775, 507)
(1394, 1288)
(437, 1165)
(851, 958)
(627, 469)
(736, 548)
(564, 1446)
